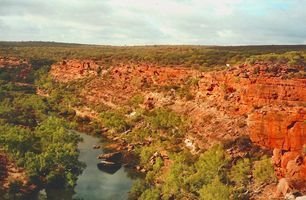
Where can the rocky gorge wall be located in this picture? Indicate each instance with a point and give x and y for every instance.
(275, 109)
(259, 101)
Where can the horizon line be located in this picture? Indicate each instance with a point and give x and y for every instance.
(141, 45)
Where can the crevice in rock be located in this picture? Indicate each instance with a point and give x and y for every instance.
(291, 125)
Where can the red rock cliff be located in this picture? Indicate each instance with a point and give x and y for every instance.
(274, 104)
(259, 101)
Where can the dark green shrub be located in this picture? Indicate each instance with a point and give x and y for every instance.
(216, 190)
(136, 100)
(240, 172)
(150, 194)
(114, 120)
(139, 134)
(175, 180)
(210, 164)
(138, 187)
(162, 118)
(263, 171)
(145, 154)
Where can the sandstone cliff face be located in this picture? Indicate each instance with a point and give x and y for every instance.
(279, 128)
(259, 100)
(274, 105)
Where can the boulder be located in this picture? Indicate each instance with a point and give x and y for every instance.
(111, 157)
(96, 146)
(109, 167)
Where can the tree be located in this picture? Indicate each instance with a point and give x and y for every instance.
(240, 172)
(263, 171)
(150, 194)
(215, 190)
(210, 165)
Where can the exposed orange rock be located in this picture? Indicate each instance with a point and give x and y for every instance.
(11, 63)
(9, 171)
(279, 128)
(69, 70)
(274, 105)
(118, 83)
(259, 100)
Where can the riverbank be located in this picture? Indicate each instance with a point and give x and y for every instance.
(12, 176)
(94, 182)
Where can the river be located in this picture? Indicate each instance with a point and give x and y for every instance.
(93, 184)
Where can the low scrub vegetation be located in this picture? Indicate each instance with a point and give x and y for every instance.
(199, 57)
(210, 175)
(34, 135)
(263, 171)
(114, 120)
(136, 100)
(166, 119)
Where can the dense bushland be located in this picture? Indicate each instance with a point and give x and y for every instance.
(34, 135)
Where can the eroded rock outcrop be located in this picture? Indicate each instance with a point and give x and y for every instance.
(275, 109)
(261, 100)
(11, 62)
(69, 70)
(15, 68)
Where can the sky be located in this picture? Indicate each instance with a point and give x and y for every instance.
(146, 22)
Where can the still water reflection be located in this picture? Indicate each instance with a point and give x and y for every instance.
(93, 184)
